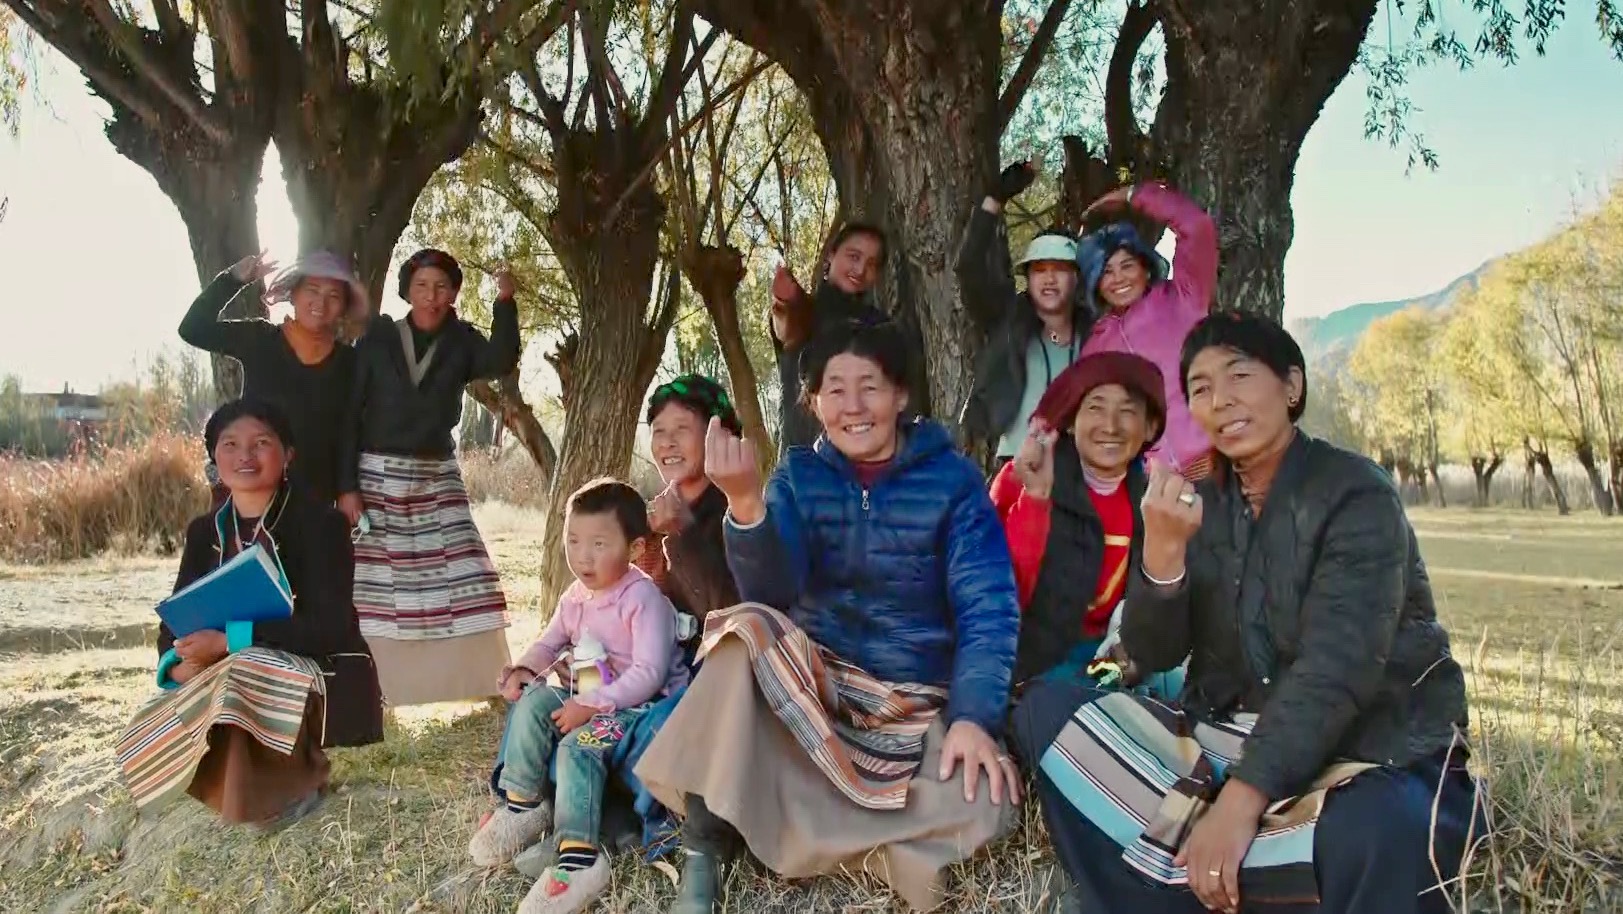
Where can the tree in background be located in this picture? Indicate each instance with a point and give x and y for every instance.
(1394, 361)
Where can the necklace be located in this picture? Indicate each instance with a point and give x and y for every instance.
(1070, 354)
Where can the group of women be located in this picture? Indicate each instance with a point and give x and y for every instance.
(1206, 637)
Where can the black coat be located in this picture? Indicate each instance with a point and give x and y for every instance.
(986, 276)
(697, 579)
(1073, 557)
(797, 427)
(388, 414)
(312, 541)
(314, 397)
(1318, 616)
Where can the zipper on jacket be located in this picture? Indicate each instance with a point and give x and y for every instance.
(865, 502)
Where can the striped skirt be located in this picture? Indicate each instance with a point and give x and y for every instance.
(264, 695)
(422, 573)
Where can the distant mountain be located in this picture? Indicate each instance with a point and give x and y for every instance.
(1334, 335)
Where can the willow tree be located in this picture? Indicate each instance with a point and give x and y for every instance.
(197, 91)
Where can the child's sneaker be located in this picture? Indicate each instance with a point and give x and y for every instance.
(561, 892)
(507, 832)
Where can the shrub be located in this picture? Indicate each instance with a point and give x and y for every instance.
(123, 499)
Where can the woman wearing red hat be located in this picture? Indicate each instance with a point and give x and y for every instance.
(1069, 505)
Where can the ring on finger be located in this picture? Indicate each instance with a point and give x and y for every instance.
(1187, 498)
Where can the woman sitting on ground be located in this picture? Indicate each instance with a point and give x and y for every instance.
(842, 719)
(246, 711)
(301, 365)
(1318, 756)
(1069, 504)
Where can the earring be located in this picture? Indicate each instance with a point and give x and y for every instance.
(1292, 402)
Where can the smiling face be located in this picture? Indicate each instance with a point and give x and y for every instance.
(858, 407)
(853, 267)
(431, 294)
(597, 549)
(1051, 285)
(319, 303)
(678, 443)
(1243, 406)
(1111, 427)
(250, 457)
(1124, 280)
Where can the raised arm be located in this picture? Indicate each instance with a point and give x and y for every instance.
(1194, 261)
(1350, 614)
(984, 267)
(768, 557)
(349, 435)
(986, 613)
(497, 357)
(204, 328)
(1155, 623)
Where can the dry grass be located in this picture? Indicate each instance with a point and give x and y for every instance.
(123, 501)
(1547, 700)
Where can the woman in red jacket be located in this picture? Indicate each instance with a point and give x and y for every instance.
(1069, 506)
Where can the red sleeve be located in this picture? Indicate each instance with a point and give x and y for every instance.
(1025, 525)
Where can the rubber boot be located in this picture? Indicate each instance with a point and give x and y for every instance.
(703, 877)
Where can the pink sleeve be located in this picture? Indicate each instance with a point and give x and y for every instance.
(1194, 262)
(653, 637)
(544, 652)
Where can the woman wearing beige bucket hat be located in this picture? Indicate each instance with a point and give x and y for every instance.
(1038, 333)
(302, 364)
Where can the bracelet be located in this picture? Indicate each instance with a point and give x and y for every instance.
(1131, 190)
(1160, 583)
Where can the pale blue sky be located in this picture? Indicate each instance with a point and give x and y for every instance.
(97, 269)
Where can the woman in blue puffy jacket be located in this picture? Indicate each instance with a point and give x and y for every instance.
(844, 714)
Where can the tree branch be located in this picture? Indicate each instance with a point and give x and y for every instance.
(1031, 62)
(1126, 141)
(125, 36)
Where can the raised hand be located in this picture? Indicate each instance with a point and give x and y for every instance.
(253, 268)
(1172, 513)
(667, 512)
(1119, 199)
(785, 288)
(730, 463)
(1013, 181)
(1034, 462)
(506, 285)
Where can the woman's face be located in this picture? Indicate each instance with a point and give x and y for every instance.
(858, 407)
(1243, 406)
(1124, 280)
(1051, 283)
(319, 303)
(853, 267)
(678, 440)
(250, 456)
(1110, 429)
(431, 294)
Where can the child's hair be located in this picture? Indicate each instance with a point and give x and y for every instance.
(611, 496)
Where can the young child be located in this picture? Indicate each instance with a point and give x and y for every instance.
(621, 634)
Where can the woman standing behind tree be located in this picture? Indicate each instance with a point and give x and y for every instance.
(300, 365)
(430, 602)
(1143, 310)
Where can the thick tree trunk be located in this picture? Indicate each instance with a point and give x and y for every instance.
(904, 97)
(1482, 470)
(1557, 493)
(1437, 480)
(1232, 122)
(1584, 451)
(214, 188)
(612, 362)
(715, 273)
(356, 155)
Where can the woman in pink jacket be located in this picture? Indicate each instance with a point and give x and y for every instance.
(1143, 311)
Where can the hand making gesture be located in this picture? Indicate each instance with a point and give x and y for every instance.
(253, 268)
(730, 463)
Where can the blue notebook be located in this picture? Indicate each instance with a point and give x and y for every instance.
(246, 589)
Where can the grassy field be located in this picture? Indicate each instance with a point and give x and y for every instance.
(1535, 604)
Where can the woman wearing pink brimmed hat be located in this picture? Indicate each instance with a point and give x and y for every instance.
(301, 364)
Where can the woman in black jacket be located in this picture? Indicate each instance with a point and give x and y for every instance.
(247, 710)
(1317, 757)
(430, 602)
(301, 365)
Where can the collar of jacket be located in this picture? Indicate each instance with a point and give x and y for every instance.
(1071, 486)
(917, 440)
(1292, 468)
